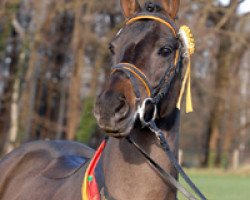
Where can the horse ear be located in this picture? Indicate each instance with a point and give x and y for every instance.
(129, 7)
(171, 7)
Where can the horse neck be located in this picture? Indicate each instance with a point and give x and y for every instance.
(127, 173)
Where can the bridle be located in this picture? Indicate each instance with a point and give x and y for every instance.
(153, 99)
(154, 96)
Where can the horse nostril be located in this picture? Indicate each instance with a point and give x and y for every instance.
(122, 110)
(112, 105)
(121, 103)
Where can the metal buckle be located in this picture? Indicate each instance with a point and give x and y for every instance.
(141, 111)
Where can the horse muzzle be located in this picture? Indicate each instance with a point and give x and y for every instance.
(114, 114)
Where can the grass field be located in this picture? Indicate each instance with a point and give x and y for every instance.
(220, 185)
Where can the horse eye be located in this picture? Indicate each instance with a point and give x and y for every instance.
(111, 49)
(165, 51)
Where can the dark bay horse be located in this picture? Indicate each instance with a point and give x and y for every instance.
(54, 170)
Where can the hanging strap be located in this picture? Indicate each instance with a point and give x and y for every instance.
(186, 85)
(167, 177)
(165, 146)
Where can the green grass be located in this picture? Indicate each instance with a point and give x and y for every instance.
(220, 185)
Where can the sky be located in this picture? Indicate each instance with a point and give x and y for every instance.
(245, 6)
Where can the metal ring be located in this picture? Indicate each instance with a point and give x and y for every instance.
(142, 111)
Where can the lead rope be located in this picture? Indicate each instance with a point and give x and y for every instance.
(165, 146)
(167, 177)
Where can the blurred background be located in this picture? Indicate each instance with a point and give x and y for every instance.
(54, 60)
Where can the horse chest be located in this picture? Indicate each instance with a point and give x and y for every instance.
(128, 176)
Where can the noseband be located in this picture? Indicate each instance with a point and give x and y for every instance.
(154, 96)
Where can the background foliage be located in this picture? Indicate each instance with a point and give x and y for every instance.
(54, 60)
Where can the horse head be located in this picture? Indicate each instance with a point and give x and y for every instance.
(142, 51)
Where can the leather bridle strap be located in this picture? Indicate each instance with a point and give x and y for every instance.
(165, 146)
(166, 176)
(178, 57)
(155, 18)
(159, 134)
(134, 74)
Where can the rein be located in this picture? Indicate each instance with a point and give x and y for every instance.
(154, 98)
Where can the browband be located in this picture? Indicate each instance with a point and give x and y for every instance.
(155, 18)
(158, 19)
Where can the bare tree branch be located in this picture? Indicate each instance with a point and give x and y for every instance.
(18, 28)
(244, 127)
(243, 40)
(2, 4)
(231, 11)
